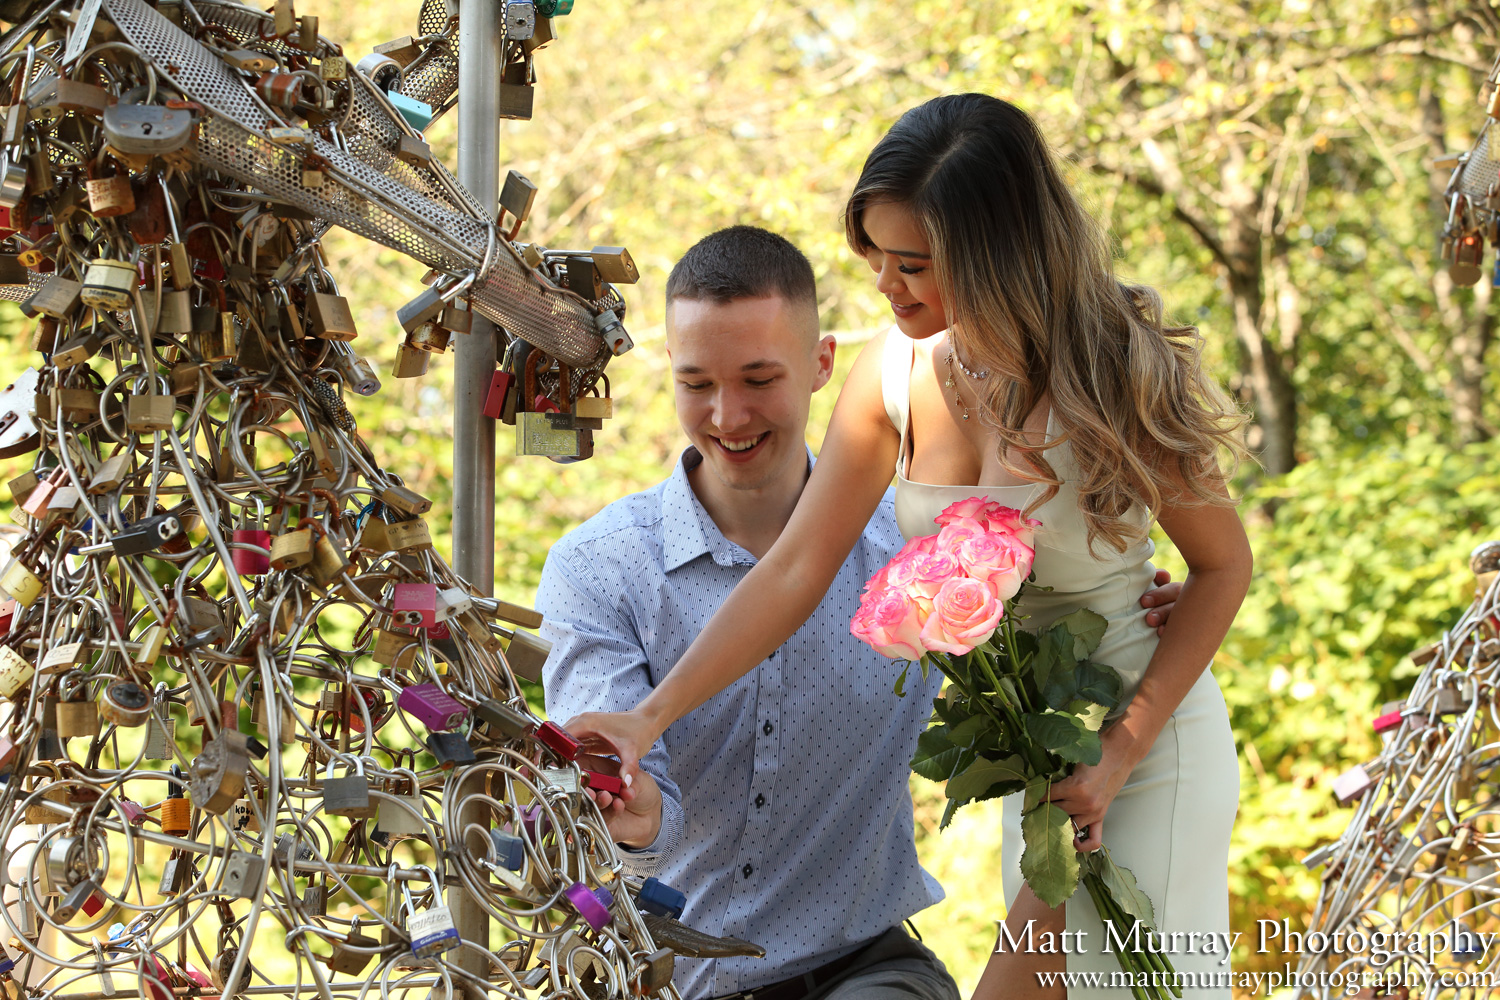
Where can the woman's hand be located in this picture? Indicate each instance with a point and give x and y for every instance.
(1085, 794)
(627, 735)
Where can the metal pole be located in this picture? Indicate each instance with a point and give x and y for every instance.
(479, 55)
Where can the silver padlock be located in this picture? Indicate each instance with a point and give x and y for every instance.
(520, 20)
(349, 795)
(243, 874)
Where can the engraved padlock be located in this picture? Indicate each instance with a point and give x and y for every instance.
(432, 931)
(410, 362)
(432, 706)
(109, 284)
(349, 795)
(19, 583)
(110, 196)
(330, 316)
(161, 738)
(16, 673)
(408, 536)
(352, 954)
(252, 561)
(415, 604)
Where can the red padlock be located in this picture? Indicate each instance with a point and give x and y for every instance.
(415, 604)
(494, 400)
(7, 615)
(249, 562)
(1387, 722)
(558, 740)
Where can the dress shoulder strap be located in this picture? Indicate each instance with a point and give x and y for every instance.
(895, 383)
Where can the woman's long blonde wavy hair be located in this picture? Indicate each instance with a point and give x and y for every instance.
(1028, 283)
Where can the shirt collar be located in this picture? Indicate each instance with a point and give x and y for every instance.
(689, 531)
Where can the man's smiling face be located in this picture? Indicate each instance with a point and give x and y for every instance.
(744, 373)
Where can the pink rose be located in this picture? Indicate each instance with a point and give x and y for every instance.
(997, 559)
(901, 570)
(930, 572)
(964, 614)
(991, 516)
(890, 623)
(956, 532)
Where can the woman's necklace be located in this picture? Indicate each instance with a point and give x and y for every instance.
(978, 376)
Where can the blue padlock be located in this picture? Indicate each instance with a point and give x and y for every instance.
(661, 899)
(417, 114)
(510, 850)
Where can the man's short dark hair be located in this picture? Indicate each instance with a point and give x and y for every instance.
(743, 262)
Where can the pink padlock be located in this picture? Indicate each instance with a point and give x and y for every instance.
(249, 562)
(432, 706)
(415, 604)
(1387, 722)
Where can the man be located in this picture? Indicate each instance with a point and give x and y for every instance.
(781, 806)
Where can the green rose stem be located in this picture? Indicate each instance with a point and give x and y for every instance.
(1126, 960)
(1148, 960)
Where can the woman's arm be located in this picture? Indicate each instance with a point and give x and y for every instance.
(777, 596)
(1213, 544)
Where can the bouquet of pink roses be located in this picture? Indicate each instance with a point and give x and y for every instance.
(1021, 708)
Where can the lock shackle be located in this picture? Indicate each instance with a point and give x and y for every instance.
(346, 759)
(536, 362)
(308, 522)
(72, 686)
(449, 294)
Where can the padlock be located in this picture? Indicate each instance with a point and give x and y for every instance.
(349, 795)
(315, 900)
(501, 396)
(600, 782)
(432, 930)
(293, 549)
(243, 874)
(328, 562)
(16, 673)
(125, 704)
(517, 90)
(517, 196)
(146, 535)
(44, 338)
(279, 90)
(597, 407)
(147, 414)
(661, 899)
(73, 900)
(410, 362)
(520, 20)
(425, 308)
(527, 654)
(394, 649)
(76, 350)
(1468, 254)
(58, 297)
(110, 196)
(49, 746)
(479, 630)
(615, 265)
(415, 604)
(247, 561)
(345, 960)
(593, 910)
(507, 850)
(48, 707)
(175, 809)
(505, 721)
(40, 814)
(417, 114)
(218, 773)
(408, 536)
(583, 278)
(75, 405)
(151, 641)
(558, 740)
(451, 750)
(432, 706)
(413, 151)
(429, 337)
(222, 966)
(20, 584)
(612, 332)
(561, 778)
(220, 341)
(334, 68)
(51, 96)
(656, 971)
(147, 129)
(407, 501)
(1351, 784)
(451, 603)
(63, 657)
(307, 33)
(161, 738)
(286, 718)
(77, 715)
(39, 498)
(330, 316)
(21, 486)
(401, 819)
(109, 284)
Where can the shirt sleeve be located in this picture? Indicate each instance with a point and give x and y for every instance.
(597, 664)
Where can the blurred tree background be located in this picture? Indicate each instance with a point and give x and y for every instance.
(1267, 164)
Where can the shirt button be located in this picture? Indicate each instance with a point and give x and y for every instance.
(747, 871)
(768, 729)
(760, 800)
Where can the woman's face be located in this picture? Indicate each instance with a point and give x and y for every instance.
(902, 261)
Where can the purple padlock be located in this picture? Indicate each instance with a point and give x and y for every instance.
(536, 822)
(588, 905)
(432, 706)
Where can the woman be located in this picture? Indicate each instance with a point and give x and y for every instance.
(1025, 372)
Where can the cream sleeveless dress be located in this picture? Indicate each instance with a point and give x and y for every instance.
(1171, 821)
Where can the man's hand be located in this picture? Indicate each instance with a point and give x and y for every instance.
(633, 816)
(1160, 600)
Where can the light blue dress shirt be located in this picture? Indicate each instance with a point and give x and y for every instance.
(786, 816)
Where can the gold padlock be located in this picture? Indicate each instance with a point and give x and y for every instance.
(77, 718)
(109, 284)
(218, 344)
(21, 584)
(328, 562)
(293, 549)
(407, 501)
(15, 672)
(148, 414)
(110, 196)
(176, 315)
(429, 337)
(372, 535)
(393, 649)
(77, 406)
(409, 536)
(58, 297)
(411, 362)
(330, 316)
